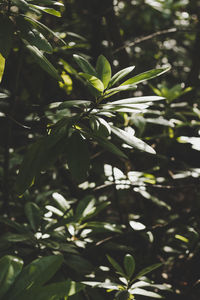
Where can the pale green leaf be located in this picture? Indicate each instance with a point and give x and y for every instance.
(119, 75)
(94, 81)
(85, 66)
(103, 69)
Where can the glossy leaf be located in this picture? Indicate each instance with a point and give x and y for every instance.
(103, 69)
(132, 140)
(10, 267)
(145, 76)
(128, 87)
(85, 208)
(32, 212)
(78, 157)
(146, 293)
(94, 81)
(129, 265)
(2, 66)
(6, 35)
(43, 62)
(35, 275)
(85, 66)
(119, 75)
(135, 100)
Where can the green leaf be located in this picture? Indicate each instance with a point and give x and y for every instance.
(105, 143)
(146, 271)
(132, 140)
(129, 265)
(33, 36)
(102, 226)
(145, 76)
(43, 62)
(115, 265)
(71, 103)
(146, 293)
(35, 275)
(119, 75)
(122, 295)
(136, 100)
(85, 208)
(78, 157)
(103, 69)
(22, 4)
(128, 87)
(85, 66)
(6, 35)
(94, 81)
(2, 66)
(33, 214)
(10, 267)
(47, 10)
(39, 25)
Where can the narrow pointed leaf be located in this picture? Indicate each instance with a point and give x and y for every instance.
(33, 36)
(145, 76)
(146, 293)
(71, 103)
(132, 140)
(115, 265)
(103, 69)
(119, 75)
(128, 87)
(43, 62)
(136, 100)
(32, 212)
(146, 271)
(94, 81)
(47, 10)
(85, 66)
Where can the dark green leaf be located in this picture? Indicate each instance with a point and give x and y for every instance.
(145, 76)
(132, 140)
(146, 271)
(35, 275)
(22, 4)
(78, 157)
(103, 69)
(85, 66)
(33, 36)
(6, 36)
(119, 75)
(115, 265)
(43, 62)
(85, 208)
(129, 265)
(122, 295)
(10, 267)
(33, 214)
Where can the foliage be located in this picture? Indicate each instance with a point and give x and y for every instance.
(99, 167)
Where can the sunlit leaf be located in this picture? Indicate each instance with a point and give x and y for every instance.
(85, 65)
(2, 66)
(103, 69)
(119, 75)
(94, 81)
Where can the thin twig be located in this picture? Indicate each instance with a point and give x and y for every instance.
(145, 38)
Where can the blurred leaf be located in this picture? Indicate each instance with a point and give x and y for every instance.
(136, 100)
(2, 66)
(71, 103)
(10, 267)
(33, 214)
(139, 291)
(103, 69)
(119, 75)
(129, 265)
(6, 35)
(85, 207)
(132, 140)
(78, 157)
(122, 295)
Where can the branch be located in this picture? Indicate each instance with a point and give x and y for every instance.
(147, 37)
